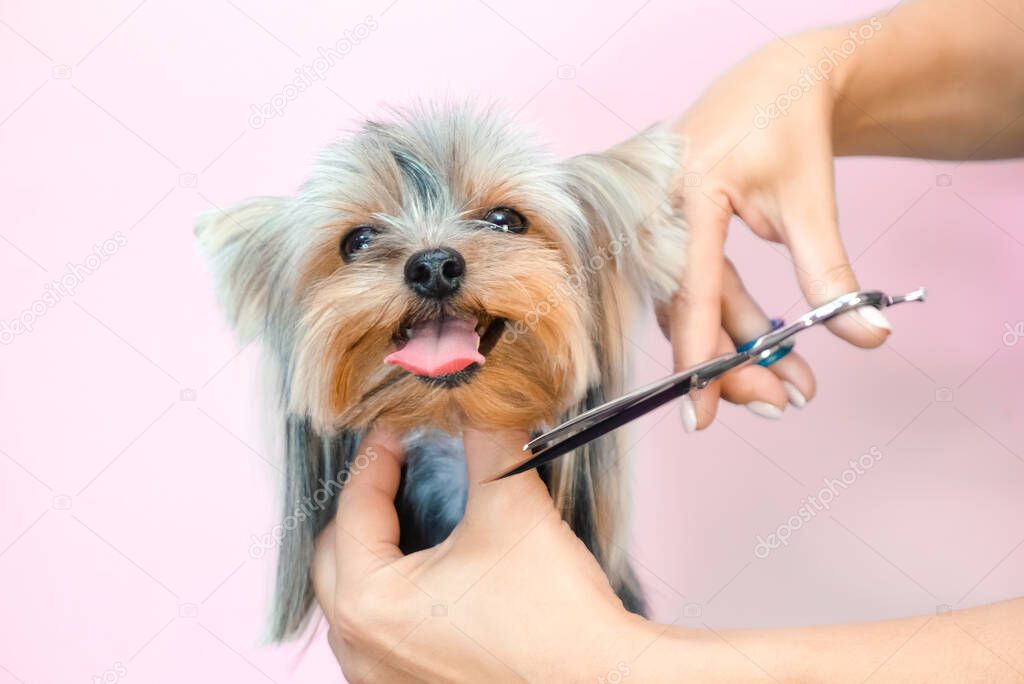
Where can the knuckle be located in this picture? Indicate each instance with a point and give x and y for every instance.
(680, 297)
(690, 295)
(839, 274)
(352, 615)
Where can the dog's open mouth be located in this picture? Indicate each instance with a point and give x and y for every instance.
(446, 350)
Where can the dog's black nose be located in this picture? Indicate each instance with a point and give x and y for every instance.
(435, 273)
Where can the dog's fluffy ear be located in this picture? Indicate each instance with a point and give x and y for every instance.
(625, 192)
(244, 244)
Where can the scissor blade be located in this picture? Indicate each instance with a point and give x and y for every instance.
(709, 369)
(594, 415)
(593, 430)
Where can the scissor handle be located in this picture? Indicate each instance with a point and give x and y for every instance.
(842, 304)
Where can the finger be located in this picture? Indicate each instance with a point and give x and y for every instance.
(797, 379)
(325, 570)
(325, 587)
(513, 500)
(744, 320)
(755, 387)
(823, 267)
(696, 308)
(366, 521)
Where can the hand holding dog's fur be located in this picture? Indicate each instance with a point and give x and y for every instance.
(478, 607)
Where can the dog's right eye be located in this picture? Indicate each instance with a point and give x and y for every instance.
(506, 220)
(356, 240)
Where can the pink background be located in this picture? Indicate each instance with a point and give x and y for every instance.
(134, 465)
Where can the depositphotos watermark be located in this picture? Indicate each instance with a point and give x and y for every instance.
(812, 75)
(112, 674)
(60, 289)
(616, 674)
(813, 505)
(318, 501)
(1014, 333)
(308, 74)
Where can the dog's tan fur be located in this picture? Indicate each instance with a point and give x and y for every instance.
(602, 238)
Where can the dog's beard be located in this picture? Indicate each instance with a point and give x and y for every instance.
(533, 353)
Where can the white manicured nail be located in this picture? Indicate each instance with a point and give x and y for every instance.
(688, 414)
(796, 397)
(874, 317)
(765, 410)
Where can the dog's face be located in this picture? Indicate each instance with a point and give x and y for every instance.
(420, 295)
(433, 270)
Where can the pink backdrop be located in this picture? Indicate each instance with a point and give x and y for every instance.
(134, 464)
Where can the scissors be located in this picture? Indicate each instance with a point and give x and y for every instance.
(764, 350)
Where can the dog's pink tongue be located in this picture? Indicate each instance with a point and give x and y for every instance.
(438, 347)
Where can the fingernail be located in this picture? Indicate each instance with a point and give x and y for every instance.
(874, 318)
(796, 397)
(688, 414)
(765, 410)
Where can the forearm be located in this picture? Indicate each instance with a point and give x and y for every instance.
(978, 644)
(933, 78)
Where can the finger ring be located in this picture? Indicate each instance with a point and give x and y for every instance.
(770, 356)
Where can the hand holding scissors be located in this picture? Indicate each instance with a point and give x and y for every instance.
(764, 350)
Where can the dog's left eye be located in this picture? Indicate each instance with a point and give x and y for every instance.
(506, 220)
(357, 240)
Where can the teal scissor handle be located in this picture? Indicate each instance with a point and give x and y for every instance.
(770, 356)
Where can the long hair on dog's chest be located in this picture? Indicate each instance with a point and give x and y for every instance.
(440, 269)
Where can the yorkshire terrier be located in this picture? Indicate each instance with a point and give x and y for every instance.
(440, 269)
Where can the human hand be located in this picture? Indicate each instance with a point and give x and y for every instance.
(512, 593)
(775, 171)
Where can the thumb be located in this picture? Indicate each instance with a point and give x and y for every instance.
(824, 272)
(515, 499)
(366, 522)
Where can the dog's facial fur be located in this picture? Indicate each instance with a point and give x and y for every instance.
(425, 181)
(423, 185)
(322, 276)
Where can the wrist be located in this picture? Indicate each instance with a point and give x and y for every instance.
(835, 57)
(707, 655)
(607, 649)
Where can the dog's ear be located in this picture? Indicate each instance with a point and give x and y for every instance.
(625, 192)
(244, 244)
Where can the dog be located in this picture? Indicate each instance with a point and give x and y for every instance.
(439, 268)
